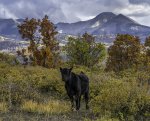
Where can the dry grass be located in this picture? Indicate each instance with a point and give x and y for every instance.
(51, 107)
(103, 119)
(3, 107)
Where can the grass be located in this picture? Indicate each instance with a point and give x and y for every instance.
(38, 93)
(51, 107)
(3, 107)
(102, 119)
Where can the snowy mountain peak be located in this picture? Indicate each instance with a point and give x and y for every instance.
(96, 24)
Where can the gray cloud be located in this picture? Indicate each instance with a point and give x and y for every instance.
(139, 1)
(138, 14)
(74, 10)
(31, 8)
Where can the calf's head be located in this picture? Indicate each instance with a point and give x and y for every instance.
(65, 73)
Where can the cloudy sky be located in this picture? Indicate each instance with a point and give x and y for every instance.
(75, 10)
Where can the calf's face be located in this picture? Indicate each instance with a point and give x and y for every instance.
(65, 73)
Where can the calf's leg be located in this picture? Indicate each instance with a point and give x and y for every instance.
(86, 96)
(72, 101)
(78, 98)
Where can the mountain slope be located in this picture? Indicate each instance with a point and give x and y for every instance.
(122, 24)
(82, 26)
(106, 23)
(8, 27)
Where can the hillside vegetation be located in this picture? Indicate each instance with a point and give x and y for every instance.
(33, 90)
(37, 93)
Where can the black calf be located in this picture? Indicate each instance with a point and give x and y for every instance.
(76, 85)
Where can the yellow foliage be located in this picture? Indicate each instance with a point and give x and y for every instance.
(3, 107)
(51, 107)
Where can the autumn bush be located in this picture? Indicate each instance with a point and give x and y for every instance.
(125, 53)
(43, 47)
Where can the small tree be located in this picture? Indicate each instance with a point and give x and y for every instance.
(43, 45)
(147, 48)
(147, 45)
(84, 50)
(124, 53)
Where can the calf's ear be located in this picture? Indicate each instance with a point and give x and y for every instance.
(60, 69)
(71, 68)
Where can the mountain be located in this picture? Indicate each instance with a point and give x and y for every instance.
(123, 25)
(82, 26)
(105, 24)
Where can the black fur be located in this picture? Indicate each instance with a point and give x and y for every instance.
(76, 86)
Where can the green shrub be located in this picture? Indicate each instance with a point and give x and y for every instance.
(19, 83)
(123, 96)
(7, 58)
(121, 99)
(84, 50)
